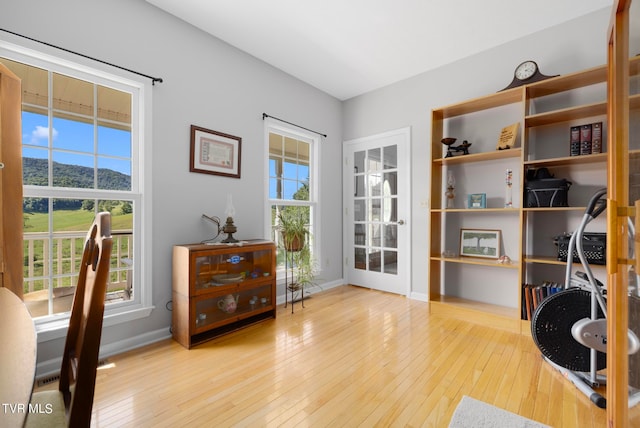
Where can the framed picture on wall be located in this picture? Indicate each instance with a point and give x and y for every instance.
(483, 243)
(214, 152)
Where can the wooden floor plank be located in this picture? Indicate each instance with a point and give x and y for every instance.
(351, 357)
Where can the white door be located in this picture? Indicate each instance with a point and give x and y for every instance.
(377, 206)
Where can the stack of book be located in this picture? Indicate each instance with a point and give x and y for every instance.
(533, 295)
(586, 139)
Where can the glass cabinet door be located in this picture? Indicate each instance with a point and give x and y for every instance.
(216, 270)
(217, 309)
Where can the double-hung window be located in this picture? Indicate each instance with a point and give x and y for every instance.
(82, 151)
(292, 180)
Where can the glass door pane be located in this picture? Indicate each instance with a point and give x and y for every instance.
(376, 209)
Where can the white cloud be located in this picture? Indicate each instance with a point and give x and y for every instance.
(41, 133)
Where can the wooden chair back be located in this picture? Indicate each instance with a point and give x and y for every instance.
(82, 346)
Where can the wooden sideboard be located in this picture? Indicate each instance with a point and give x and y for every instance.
(219, 288)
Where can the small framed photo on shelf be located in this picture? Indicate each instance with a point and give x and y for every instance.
(477, 200)
(483, 243)
(215, 153)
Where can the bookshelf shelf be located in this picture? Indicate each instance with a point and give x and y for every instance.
(567, 82)
(568, 160)
(565, 115)
(485, 313)
(478, 261)
(548, 260)
(555, 209)
(479, 157)
(478, 210)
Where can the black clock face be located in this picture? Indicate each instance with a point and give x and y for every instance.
(525, 70)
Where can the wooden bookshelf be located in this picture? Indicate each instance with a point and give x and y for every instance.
(534, 150)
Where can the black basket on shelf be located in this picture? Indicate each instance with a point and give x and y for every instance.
(593, 244)
(543, 190)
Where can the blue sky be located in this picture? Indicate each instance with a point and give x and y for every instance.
(294, 177)
(73, 143)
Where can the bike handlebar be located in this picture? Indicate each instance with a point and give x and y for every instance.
(596, 204)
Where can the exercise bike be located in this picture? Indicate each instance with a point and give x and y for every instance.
(570, 327)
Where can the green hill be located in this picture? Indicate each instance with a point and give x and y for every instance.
(35, 172)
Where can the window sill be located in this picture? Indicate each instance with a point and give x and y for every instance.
(57, 329)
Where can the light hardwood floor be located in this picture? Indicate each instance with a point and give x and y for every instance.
(352, 357)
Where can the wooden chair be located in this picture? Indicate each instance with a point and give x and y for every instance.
(71, 404)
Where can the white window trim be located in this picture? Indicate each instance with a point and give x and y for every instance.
(55, 326)
(274, 125)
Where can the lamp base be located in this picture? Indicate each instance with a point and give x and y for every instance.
(229, 228)
(229, 239)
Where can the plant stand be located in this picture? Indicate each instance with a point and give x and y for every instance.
(291, 287)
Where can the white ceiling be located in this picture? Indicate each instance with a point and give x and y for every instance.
(349, 47)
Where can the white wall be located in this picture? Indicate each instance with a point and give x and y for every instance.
(207, 83)
(574, 46)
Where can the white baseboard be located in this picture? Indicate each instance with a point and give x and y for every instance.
(134, 342)
(419, 296)
(312, 290)
(50, 367)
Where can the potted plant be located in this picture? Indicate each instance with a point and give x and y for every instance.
(293, 228)
(296, 240)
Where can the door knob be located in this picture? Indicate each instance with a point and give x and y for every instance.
(400, 222)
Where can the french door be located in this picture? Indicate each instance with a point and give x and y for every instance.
(377, 206)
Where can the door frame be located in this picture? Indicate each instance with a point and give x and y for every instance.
(404, 207)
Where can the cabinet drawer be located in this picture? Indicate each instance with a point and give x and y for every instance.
(216, 309)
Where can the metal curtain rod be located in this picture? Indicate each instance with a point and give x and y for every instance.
(265, 115)
(153, 79)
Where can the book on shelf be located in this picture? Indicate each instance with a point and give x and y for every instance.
(596, 137)
(533, 295)
(527, 303)
(585, 139)
(574, 147)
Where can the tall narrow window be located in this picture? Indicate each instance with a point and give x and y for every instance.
(292, 183)
(80, 146)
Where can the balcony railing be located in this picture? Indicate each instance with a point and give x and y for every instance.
(51, 271)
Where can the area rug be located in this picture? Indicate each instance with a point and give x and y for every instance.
(478, 414)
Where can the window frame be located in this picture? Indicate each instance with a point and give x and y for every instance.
(55, 326)
(272, 125)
